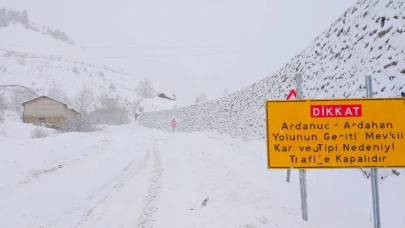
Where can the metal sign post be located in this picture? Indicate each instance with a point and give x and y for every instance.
(174, 123)
(344, 133)
(289, 97)
(302, 172)
(288, 175)
(374, 171)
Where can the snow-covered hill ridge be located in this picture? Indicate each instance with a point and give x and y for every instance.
(13, 17)
(334, 65)
(63, 67)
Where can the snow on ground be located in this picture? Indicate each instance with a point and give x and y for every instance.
(165, 92)
(157, 104)
(130, 176)
(20, 39)
(13, 128)
(40, 62)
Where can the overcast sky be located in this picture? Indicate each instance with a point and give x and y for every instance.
(189, 46)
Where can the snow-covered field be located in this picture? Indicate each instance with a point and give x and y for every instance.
(130, 176)
(41, 63)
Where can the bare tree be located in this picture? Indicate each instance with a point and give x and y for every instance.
(24, 17)
(58, 94)
(134, 108)
(225, 92)
(110, 116)
(203, 97)
(145, 89)
(197, 100)
(20, 95)
(2, 106)
(4, 22)
(39, 132)
(84, 100)
(200, 98)
(112, 87)
(81, 122)
(112, 111)
(16, 99)
(109, 102)
(75, 70)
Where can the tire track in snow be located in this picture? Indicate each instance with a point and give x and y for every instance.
(146, 220)
(103, 193)
(127, 173)
(38, 174)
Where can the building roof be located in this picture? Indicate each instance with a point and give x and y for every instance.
(67, 105)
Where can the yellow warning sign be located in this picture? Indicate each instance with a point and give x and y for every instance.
(335, 133)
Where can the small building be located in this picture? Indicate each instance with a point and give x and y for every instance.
(47, 111)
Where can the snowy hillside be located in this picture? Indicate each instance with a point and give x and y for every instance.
(10, 17)
(157, 104)
(334, 65)
(40, 62)
(163, 100)
(359, 43)
(16, 37)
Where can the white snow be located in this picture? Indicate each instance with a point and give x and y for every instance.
(13, 128)
(130, 176)
(20, 39)
(158, 104)
(166, 92)
(39, 62)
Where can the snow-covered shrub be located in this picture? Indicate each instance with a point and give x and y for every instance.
(110, 116)
(75, 70)
(200, 98)
(79, 123)
(111, 112)
(134, 108)
(83, 100)
(59, 94)
(145, 89)
(21, 61)
(39, 132)
(19, 95)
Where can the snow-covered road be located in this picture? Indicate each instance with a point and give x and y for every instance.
(77, 180)
(129, 176)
